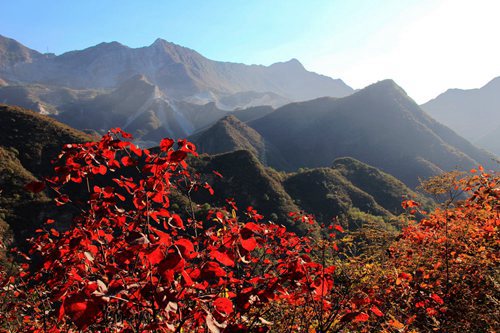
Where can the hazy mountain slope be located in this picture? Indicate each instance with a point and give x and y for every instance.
(230, 134)
(137, 106)
(491, 141)
(44, 99)
(252, 113)
(472, 113)
(379, 125)
(178, 71)
(247, 99)
(200, 116)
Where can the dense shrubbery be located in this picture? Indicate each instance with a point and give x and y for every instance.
(129, 263)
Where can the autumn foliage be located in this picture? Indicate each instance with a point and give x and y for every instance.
(127, 262)
(447, 264)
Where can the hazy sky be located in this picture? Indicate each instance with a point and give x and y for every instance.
(426, 46)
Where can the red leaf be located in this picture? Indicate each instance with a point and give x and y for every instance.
(176, 222)
(438, 299)
(222, 257)
(217, 174)
(376, 311)
(338, 228)
(155, 256)
(166, 144)
(126, 135)
(81, 311)
(102, 169)
(404, 276)
(224, 305)
(173, 262)
(177, 156)
(253, 227)
(128, 161)
(186, 248)
(409, 203)
(212, 268)
(135, 150)
(249, 244)
(35, 187)
(362, 317)
(220, 216)
(209, 188)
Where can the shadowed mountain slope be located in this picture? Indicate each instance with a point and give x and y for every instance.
(379, 125)
(28, 142)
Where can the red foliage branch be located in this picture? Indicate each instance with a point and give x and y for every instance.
(129, 264)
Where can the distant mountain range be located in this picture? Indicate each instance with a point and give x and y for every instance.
(379, 125)
(473, 113)
(179, 73)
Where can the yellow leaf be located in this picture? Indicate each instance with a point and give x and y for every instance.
(396, 324)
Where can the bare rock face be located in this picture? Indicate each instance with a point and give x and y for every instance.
(14, 54)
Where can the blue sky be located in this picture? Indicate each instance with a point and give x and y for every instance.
(427, 46)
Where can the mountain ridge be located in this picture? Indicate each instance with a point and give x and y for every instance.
(473, 113)
(180, 72)
(379, 125)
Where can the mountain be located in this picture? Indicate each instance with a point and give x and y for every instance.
(42, 98)
(28, 142)
(385, 189)
(252, 113)
(13, 53)
(230, 134)
(473, 113)
(247, 181)
(179, 72)
(324, 192)
(378, 125)
(328, 194)
(250, 99)
(491, 141)
(139, 107)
